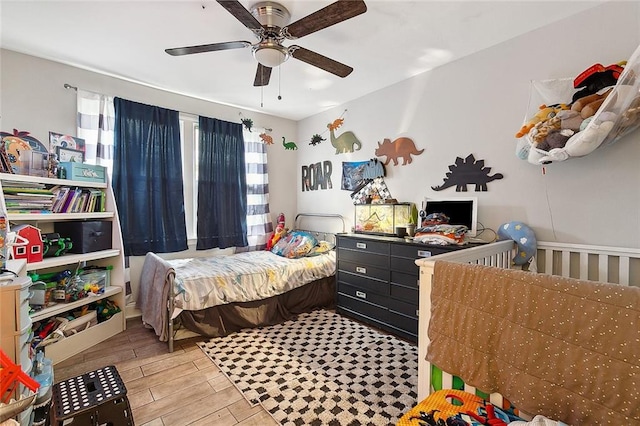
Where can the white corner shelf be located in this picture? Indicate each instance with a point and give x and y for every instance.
(113, 257)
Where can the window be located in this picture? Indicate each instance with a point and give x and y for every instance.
(259, 224)
(95, 125)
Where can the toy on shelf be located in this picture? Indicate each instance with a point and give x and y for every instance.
(32, 250)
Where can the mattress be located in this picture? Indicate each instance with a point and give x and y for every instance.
(204, 282)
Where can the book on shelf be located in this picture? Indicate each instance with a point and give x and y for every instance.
(61, 197)
(21, 198)
(38, 198)
(77, 200)
(23, 190)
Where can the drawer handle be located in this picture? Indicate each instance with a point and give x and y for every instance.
(424, 253)
(361, 294)
(361, 270)
(361, 245)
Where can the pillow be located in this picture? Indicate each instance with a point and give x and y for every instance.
(294, 244)
(321, 248)
(524, 238)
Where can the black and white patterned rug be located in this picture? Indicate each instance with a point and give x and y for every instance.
(321, 369)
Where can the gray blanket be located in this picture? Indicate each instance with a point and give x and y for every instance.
(153, 295)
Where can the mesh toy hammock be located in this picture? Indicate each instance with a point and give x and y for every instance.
(618, 116)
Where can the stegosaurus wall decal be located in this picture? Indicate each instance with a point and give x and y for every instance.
(468, 171)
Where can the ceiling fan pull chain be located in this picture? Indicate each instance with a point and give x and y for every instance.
(261, 96)
(279, 82)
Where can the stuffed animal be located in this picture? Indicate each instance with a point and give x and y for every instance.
(544, 113)
(586, 141)
(596, 78)
(555, 139)
(540, 131)
(569, 119)
(278, 233)
(588, 105)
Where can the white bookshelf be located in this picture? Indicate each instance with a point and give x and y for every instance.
(112, 257)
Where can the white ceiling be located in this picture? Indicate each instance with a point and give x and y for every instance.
(392, 41)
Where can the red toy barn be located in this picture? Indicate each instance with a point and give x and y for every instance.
(32, 251)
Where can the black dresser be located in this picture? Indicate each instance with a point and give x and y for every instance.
(378, 280)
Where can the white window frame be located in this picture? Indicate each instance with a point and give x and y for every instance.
(189, 145)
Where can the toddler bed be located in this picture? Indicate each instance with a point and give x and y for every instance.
(563, 343)
(214, 296)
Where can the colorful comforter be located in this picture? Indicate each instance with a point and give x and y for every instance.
(242, 277)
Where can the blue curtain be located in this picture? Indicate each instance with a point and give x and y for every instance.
(147, 178)
(222, 185)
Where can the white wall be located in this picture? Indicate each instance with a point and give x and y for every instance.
(33, 98)
(474, 106)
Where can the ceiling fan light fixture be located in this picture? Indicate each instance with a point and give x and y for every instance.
(271, 55)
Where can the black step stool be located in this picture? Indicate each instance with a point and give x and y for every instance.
(95, 398)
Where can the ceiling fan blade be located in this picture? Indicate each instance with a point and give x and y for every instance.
(263, 74)
(241, 14)
(325, 17)
(317, 60)
(188, 50)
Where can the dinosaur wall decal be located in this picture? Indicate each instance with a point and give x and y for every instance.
(399, 148)
(346, 142)
(289, 145)
(468, 171)
(267, 139)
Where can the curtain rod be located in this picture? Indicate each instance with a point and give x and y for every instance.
(75, 88)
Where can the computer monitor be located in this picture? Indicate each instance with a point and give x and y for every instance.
(461, 211)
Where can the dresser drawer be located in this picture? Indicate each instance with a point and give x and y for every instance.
(364, 308)
(405, 265)
(365, 270)
(408, 294)
(411, 251)
(364, 283)
(405, 323)
(406, 279)
(363, 244)
(365, 258)
(405, 308)
(25, 319)
(362, 294)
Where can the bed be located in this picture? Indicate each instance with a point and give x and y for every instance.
(569, 351)
(217, 295)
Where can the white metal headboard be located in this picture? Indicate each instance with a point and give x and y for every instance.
(325, 226)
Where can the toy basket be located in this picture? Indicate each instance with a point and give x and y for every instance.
(616, 117)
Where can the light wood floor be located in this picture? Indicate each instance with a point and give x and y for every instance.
(179, 388)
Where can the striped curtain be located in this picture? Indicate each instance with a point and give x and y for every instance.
(96, 120)
(259, 224)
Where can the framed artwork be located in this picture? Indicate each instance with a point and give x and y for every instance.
(70, 155)
(352, 174)
(65, 141)
(20, 142)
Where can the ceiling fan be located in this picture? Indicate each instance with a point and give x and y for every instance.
(269, 22)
